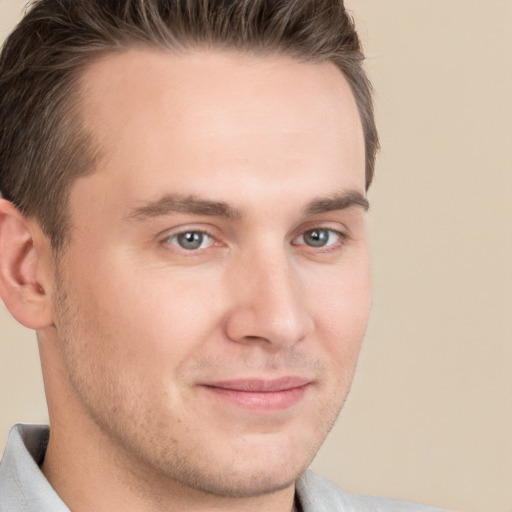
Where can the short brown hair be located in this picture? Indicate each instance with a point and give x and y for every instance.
(43, 146)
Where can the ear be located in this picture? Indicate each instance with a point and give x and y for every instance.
(21, 276)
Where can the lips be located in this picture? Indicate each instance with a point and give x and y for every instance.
(260, 395)
(261, 385)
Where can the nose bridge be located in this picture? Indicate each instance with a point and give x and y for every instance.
(269, 303)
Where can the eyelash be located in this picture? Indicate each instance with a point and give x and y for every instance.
(343, 238)
(167, 240)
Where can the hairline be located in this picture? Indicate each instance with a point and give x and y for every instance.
(75, 101)
(71, 144)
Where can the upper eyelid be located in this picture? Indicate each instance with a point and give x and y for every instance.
(167, 242)
(163, 235)
(178, 233)
(170, 232)
(340, 229)
(342, 233)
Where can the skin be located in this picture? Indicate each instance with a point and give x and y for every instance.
(136, 332)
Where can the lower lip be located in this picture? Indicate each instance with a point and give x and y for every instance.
(260, 401)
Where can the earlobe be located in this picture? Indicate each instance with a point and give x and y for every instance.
(20, 287)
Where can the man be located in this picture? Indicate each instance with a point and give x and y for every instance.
(183, 224)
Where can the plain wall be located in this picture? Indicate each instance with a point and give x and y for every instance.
(429, 417)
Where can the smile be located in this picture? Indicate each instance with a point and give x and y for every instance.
(261, 395)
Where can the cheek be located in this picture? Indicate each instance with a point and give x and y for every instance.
(152, 316)
(342, 314)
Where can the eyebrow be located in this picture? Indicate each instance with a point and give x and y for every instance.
(340, 201)
(193, 205)
(184, 204)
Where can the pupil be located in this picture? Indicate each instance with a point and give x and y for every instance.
(317, 237)
(191, 240)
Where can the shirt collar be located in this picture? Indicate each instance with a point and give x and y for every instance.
(23, 487)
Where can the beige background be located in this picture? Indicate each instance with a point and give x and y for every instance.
(430, 414)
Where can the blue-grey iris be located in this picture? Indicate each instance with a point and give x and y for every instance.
(190, 240)
(316, 237)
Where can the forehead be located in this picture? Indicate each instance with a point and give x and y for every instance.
(204, 113)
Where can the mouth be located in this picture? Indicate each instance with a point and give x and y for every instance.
(260, 395)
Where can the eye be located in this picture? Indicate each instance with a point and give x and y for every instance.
(191, 240)
(320, 237)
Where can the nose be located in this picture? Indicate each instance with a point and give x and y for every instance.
(268, 304)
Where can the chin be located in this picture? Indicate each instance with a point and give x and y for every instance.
(256, 473)
(256, 483)
(236, 471)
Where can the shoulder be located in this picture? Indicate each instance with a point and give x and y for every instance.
(319, 495)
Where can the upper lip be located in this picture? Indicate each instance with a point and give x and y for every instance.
(258, 385)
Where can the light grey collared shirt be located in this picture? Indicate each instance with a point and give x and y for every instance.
(23, 487)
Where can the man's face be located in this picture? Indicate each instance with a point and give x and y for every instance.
(215, 292)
